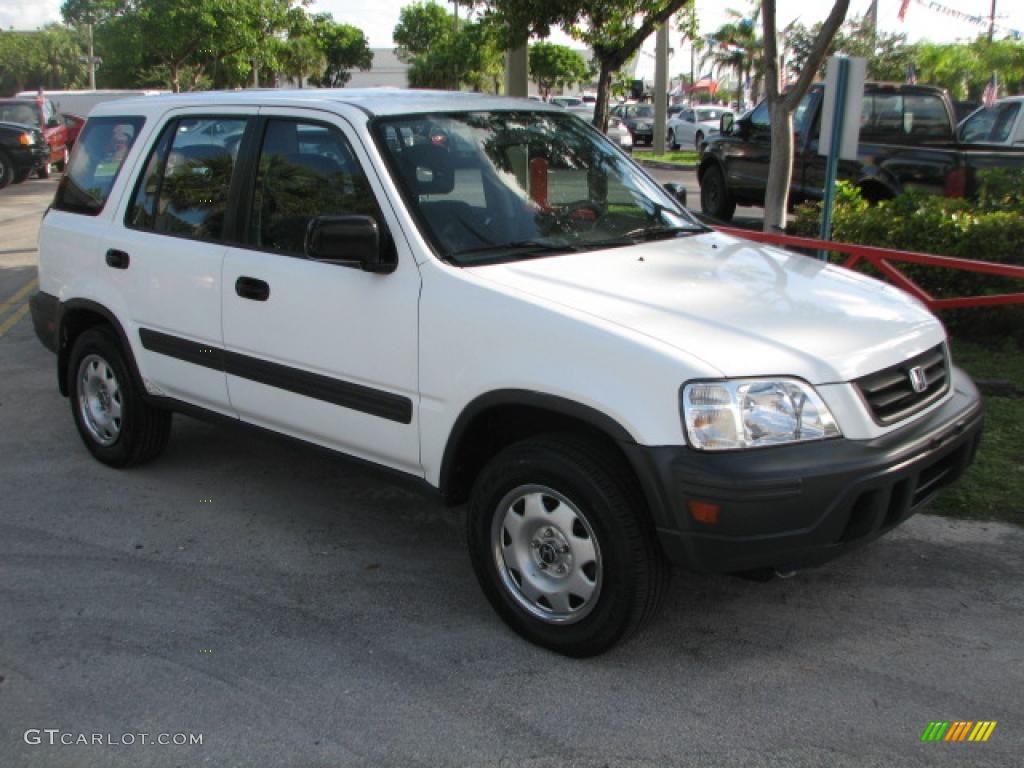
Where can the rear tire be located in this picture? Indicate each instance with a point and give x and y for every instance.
(672, 140)
(698, 140)
(43, 171)
(118, 427)
(562, 547)
(715, 199)
(63, 164)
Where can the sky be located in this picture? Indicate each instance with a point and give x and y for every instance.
(377, 18)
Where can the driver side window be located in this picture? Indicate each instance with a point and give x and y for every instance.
(759, 118)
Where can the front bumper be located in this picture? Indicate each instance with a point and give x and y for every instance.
(28, 158)
(802, 505)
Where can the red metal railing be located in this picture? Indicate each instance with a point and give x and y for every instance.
(883, 259)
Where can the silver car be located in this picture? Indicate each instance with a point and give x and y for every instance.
(617, 130)
(692, 125)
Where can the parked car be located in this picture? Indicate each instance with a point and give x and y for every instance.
(508, 312)
(567, 101)
(1000, 125)
(74, 125)
(81, 101)
(907, 141)
(40, 113)
(617, 130)
(638, 119)
(692, 125)
(22, 149)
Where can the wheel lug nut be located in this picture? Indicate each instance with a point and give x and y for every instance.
(564, 549)
(560, 569)
(534, 543)
(543, 566)
(549, 533)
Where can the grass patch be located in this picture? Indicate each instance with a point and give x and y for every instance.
(676, 158)
(993, 487)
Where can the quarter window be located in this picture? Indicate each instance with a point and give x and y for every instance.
(99, 154)
(305, 170)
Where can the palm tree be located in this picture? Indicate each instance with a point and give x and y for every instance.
(736, 46)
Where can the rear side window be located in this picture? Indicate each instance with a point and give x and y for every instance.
(99, 154)
(184, 187)
(899, 117)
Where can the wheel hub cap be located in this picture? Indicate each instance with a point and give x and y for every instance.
(546, 554)
(99, 400)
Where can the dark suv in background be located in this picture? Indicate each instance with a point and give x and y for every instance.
(22, 149)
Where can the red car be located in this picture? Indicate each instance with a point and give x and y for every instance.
(40, 113)
(74, 125)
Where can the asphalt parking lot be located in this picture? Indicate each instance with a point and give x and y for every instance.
(295, 609)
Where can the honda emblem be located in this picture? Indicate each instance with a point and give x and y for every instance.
(918, 379)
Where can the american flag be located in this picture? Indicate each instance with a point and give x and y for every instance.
(991, 92)
(903, 10)
(911, 75)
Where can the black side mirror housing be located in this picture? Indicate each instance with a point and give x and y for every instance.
(53, 122)
(351, 240)
(678, 191)
(725, 123)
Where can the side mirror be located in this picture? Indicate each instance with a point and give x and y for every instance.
(53, 122)
(678, 191)
(725, 123)
(349, 240)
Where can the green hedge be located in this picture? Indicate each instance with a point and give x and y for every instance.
(988, 228)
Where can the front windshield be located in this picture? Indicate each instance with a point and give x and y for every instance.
(500, 186)
(25, 114)
(640, 112)
(704, 115)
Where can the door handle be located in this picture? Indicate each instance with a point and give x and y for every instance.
(117, 259)
(252, 288)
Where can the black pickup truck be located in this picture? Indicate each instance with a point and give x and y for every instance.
(907, 141)
(22, 148)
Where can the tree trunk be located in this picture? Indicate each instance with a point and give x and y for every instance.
(175, 79)
(780, 168)
(604, 83)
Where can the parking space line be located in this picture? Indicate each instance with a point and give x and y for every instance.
(20, 301)
(21, 294)
(12, 321)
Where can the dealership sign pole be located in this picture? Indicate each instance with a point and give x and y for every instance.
(840, 126)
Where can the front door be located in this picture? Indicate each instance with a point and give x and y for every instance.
(321, 351)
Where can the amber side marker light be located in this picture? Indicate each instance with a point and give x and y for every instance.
(703, 511)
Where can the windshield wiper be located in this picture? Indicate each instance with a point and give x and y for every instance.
(536, 246)
(659, 232)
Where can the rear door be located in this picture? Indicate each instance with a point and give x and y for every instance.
(321, 351)
(168, 255)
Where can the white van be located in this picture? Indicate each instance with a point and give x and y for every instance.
(487, 296)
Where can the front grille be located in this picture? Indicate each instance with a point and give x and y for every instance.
(890, 394)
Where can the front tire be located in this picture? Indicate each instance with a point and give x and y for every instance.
(698, 140)
(672, 139)
(63, 164)
(562, 547)
(6, 170)
(43, 171)
(715, 199)
(116, 424)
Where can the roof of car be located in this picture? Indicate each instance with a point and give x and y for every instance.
(373, 101)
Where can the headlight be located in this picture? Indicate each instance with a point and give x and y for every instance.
(750, 413)
(26, 140)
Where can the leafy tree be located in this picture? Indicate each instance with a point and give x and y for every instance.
(781, 106)
(421, 27)
(556, 66)
(965, 68)
(888, 55)
(613, 29)
(48, 58)
(344, 48)
(446, 52)
(301, 57)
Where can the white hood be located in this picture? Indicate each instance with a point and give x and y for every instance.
(744, 309)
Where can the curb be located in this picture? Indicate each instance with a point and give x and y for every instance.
(664, 166)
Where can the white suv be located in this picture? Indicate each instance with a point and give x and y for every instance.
(487, 295)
